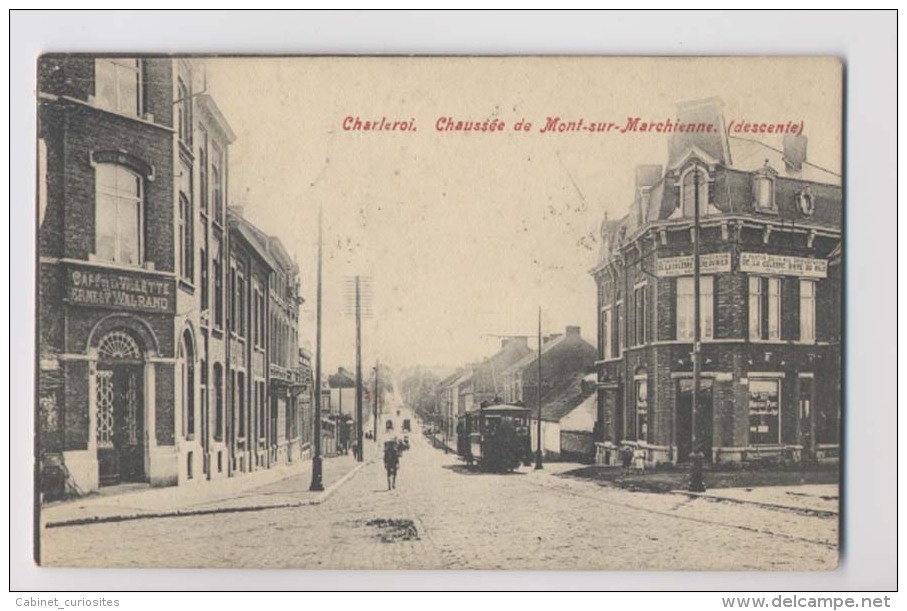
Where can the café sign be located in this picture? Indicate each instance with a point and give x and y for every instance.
(683, 266)
(781, 265)
(120, 291)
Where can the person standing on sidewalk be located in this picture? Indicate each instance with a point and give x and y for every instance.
(391, 463)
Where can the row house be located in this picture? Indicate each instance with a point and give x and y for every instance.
(152, 301)
(563, 356)
(770, 297)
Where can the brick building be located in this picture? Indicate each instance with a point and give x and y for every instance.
(770, 303)
(143, 322)
(563, 357)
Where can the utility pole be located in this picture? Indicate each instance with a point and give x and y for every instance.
(358, 375)
(538, 394)
(696, 483)
(317, 485)
(375, 408)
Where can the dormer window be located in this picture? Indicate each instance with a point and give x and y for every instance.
(764, 189)
(687, 201)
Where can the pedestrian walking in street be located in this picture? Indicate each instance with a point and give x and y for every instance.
(391, 463)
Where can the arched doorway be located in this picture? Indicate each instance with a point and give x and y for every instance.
(120, 409)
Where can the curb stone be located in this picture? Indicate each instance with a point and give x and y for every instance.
(180, 513)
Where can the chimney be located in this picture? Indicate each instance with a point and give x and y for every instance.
(794, 152)
(696, 116)
(573, 330)
(516, 340)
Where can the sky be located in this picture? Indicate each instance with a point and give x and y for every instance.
(464, 236)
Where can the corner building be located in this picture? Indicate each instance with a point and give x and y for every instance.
(770, 316)
(146, 310)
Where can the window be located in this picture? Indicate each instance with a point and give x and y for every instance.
(186, 225)
(203, 258)
(254, 330)
(764, 308)
(118, 214)
(606, 334)
(203, 173)
(240, 304)
(187, 366)
(218, 402)
(217, 187)
(686, 308)
(184, 112)
(262, 411)
(764, 192)
(621, 331)
(217, 270)
(642, 410)
(640, 298)
(118, 85)
(765, 413)
(203, 396)
(688, 192)
(241, 403)
(808, 311)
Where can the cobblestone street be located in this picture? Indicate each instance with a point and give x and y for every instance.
(442, 515)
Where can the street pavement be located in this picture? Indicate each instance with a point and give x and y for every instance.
(443, 515)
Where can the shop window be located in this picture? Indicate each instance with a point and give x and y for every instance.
(118, 85)
(118, 214)
(686, 308)
(764, 308)
(642, 410)
(764, 412)
(808, 311)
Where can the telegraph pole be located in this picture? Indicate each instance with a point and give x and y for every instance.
(375, 408)
(317, 485)
(696, 483)
(538, 394)
(358, 375)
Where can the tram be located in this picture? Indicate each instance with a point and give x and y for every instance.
(495, 437)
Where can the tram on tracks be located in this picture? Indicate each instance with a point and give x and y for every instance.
(495, 437)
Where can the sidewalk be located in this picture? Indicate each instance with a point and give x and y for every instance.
(820, 499)
(284, 486)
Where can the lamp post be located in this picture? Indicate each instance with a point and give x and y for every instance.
(538, 394)
(696, 483)
(317, 485)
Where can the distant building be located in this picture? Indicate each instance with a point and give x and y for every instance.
(569, 412)
(563, 357)
(770, 303)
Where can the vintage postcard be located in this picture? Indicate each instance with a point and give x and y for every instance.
(573, 313)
